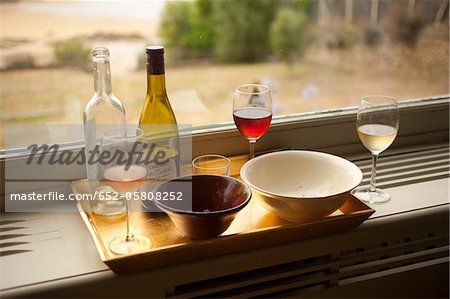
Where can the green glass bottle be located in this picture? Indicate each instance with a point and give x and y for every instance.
(159, 124)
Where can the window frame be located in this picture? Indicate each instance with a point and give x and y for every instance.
(297, 121)
(424, 120)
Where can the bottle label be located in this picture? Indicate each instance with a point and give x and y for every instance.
(158, 173)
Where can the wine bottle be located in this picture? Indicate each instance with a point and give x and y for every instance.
(103, 111)
(159, 124)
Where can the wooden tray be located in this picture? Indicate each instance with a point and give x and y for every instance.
(253, 227)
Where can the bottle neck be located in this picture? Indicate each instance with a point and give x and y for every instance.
(102, 76)
(156, 84)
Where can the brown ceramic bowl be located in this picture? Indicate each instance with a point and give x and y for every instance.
(208, 203)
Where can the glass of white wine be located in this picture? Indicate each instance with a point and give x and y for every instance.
(377, 125)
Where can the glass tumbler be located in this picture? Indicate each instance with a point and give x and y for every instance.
(211, 164)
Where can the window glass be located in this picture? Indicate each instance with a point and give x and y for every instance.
(314, 55)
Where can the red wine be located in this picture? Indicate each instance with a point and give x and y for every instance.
(125, 180)
(252, 122)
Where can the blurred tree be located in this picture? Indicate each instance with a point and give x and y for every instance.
(73, 53)
(175, 23)
(189, 26)
(405, 26)
(242, 29)
(230, 30)
(288, 34)
(202, 35)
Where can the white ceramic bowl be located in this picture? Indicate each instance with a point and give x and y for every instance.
(301, 185)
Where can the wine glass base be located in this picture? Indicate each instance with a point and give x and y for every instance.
(377, 196)
(121, 246)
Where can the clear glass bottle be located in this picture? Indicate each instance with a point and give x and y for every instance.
(159, 124)
(103, 111)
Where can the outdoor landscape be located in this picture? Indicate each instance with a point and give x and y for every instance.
(314, 55)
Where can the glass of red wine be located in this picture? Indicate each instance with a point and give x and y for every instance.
(125, 176)
(252, 112)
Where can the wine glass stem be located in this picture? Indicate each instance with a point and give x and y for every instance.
(373, 179)
(252, 148)
(130, 236)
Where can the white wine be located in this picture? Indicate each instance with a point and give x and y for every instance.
(376, 138)
(159, 124)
